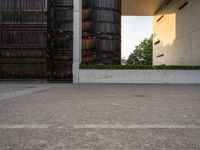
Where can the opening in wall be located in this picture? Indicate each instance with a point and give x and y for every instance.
(136, 33)
(157, 42)
(160, 18)
(182, 6)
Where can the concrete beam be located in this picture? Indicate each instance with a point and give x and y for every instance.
(77, 39)
(140, 7)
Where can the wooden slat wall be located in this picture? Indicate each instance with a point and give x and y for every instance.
(102, 31)
(23, 39)
(36, 39)
(60, 39)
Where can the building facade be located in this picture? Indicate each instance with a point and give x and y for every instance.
(49, 39)
(177, 33)
(36, 37)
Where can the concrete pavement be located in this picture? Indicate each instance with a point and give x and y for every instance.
(99, 117)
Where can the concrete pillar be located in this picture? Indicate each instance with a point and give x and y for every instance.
(77, 39)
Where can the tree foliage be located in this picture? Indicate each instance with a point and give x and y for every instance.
(143, 53)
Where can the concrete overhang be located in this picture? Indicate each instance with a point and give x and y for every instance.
(140, 7)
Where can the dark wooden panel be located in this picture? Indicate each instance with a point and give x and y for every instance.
(23, 39)
(101, 31)
(60, 40)
(36, 43)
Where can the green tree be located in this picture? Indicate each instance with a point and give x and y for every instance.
(143, 53)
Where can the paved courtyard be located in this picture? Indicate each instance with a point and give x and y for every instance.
(99, 117)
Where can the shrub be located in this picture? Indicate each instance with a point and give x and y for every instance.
(142, 67)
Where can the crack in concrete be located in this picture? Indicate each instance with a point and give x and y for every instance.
(10, 95)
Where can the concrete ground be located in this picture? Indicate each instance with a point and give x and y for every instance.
(99, 117)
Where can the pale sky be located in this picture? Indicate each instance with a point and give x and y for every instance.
(134, 30)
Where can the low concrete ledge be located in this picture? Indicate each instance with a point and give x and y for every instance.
(140, 76)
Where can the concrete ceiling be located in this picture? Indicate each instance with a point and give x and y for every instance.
(140, 7)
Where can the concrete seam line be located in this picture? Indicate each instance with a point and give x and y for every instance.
(24, 126)
(119, 126)
(98, 126)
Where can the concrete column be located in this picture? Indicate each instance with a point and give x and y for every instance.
(77, 39)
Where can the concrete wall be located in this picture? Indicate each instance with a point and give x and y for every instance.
(139, 76)
(178, 32)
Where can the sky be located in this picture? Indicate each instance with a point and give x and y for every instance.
(134, 30)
